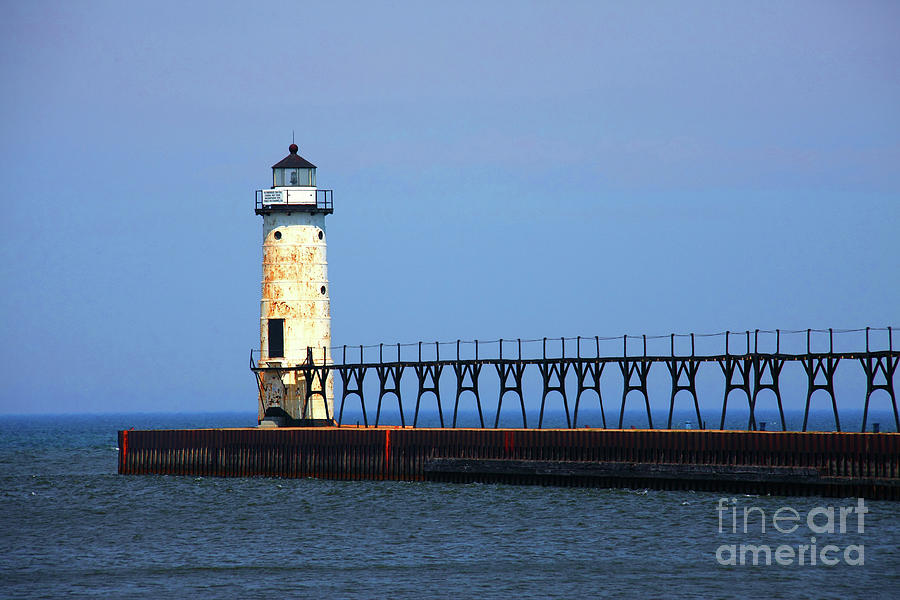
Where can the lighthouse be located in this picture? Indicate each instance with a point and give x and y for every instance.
(295, 315)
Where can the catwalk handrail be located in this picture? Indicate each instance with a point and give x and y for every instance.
(480, 345)
(323, 202)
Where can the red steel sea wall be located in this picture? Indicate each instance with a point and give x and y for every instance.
(836, 464)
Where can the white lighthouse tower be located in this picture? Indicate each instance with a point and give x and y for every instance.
(295, 316)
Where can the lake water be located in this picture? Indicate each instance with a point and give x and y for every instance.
(72, 526)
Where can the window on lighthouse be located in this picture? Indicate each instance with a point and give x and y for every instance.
(276, 338)
(295, 177)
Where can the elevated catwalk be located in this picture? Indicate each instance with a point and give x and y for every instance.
(791, 463)
(577, 375)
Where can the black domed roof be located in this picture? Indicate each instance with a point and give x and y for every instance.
(293, 161)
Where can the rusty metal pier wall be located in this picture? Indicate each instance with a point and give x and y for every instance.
(793, 463)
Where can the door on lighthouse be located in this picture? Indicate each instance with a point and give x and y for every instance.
(276, 338)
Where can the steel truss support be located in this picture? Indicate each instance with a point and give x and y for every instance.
(259, 385)
(824, 365)
(739, 366)
(885, 366)
(470, 370)
(873, 365)
(771, 366)
(631, 368)
(683, 372)
(767, 365)
(352, 379)
(553, 376)
(357, 375)
(429, 376)
(389, 383)
(588, 373)
(312, 374)
(514, 371)
(389, 376)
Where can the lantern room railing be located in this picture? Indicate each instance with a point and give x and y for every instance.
(281, 200)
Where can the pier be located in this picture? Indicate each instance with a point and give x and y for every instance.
(791, 463)
(830, 463)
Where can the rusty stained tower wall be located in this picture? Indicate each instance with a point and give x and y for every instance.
(295, 288)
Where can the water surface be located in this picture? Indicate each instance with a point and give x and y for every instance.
(72, 526)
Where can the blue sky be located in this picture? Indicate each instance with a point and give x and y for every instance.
(499, 169)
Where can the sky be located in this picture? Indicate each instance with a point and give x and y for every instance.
(500, 169)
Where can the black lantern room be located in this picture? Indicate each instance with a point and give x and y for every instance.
(293, 171)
